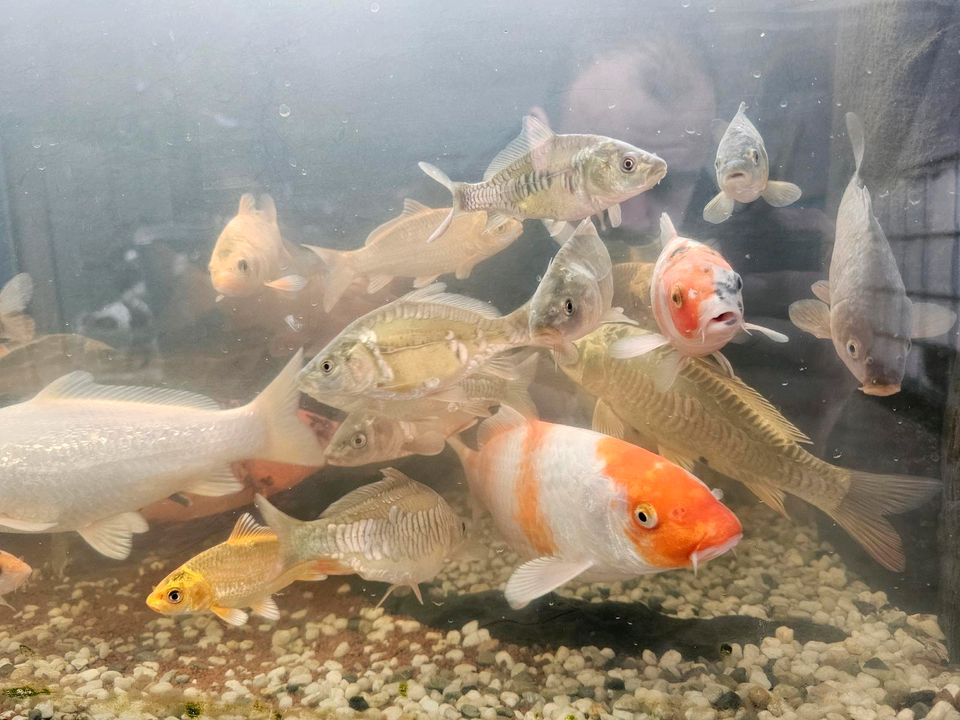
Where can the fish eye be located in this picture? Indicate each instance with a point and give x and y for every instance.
(645, 515)
(737, 282)
(676, 296)
(568, 307)
(852, 349)
(358, 441)
(628, 163)
(755, 156)
(175, 596)
(326, 367)
(243, 266)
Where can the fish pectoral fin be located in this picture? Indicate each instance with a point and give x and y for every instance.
(464, 269)
(718, 209)
(606, 421)
(772, 334)
(25, 526)
(504, 420)
(378, 282)
(769, 496)
(779, 193)
(113, 536)
(636, 345)
(930, 320)
(821, 289)
(724, 364)
(288, 283)
(667, 231)
(667, 369)
(615, 215)
(424, 280)
(16, 294)
(266, 607)
(415, 587)
(560, 230)
(231, 616)
(677, 458)
(430, 442)
(812, 316)
(540, 576)
(566, 353)
(616, 315)
(220, 482)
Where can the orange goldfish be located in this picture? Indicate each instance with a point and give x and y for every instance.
(695, 297)
(13, 573)
(582, 504)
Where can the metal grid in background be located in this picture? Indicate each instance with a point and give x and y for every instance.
(921, 218)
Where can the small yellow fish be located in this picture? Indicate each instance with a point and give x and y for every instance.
(16, 327)
(395, 531)
(396, 249)
(13, 574)
(242, 572)
(250, 253)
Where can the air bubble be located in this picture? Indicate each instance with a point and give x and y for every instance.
(763, 34)
(188, 137)
(783, 103)
(756, 74)
(37, 144)
(41, 167)
(284, 110)
(684, 3)
(690, 131)
(375, 7)
(913, 197)
(837, 453)
(711, 9)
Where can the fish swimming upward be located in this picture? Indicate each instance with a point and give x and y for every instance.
(86, 457)
(711, 416)
(14, 572)
(427, 341)
(250, 254)
(395, 531)
(397, 249)
(555, 178)
(16, 327)
(743, 171)
(242, 572)
(696, 300)
(581, 504)
(864, 309)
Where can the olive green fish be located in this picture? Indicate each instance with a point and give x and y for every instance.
(556, 178)
(396, 249)
(710, 416)
(631, 291)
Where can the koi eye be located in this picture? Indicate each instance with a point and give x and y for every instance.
(175, 596)
(628, 163)
(737, 282)
(358, 441)
(676, 296)
(755, 156)
(852, 349)
(326, 367)
(645, 515)
(568, 307)
(243, 266)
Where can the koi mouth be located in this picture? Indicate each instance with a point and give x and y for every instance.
(880, 390)
(737, 176)
(726, 318)
(699, 556)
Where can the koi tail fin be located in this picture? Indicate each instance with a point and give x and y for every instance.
(289, 439)
(341, 272)
(441, 177)
(862, 513)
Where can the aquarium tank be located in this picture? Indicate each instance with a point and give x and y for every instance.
(416, 359)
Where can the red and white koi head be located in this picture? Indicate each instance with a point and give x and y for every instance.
(695, 294)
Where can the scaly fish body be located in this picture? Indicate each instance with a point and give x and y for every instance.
(555, 177)
(85, 457)
(864, 309)
(395, 531)
(743, 171)
(710, 416)
(242, 572)
(14, 572)
(582, 504)
(16, 327)
(398, 249)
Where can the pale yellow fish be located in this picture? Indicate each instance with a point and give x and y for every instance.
(708, 415)
(395, 531)
(13, 574)
(16, 327)
(397, 249)
(242, 572)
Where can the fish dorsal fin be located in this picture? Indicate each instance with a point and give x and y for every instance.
(667, 231)
(247, 528)
(392, 479)
(80, 385)
(413, 207)
(248, 204)
(267, 208)
(435, 294)
(855, 133)
(16, 294)
(535, 132)
(504, 420)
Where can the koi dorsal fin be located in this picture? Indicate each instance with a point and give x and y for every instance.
(535, 132)
(505, 419)
(247, 528)
(80, 384)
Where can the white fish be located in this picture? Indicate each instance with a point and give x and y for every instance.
(85, 457)
(15, 325)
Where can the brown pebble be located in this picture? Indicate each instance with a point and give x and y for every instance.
(758, 697)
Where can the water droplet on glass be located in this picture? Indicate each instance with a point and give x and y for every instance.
(293, 163)
(763, 34)
(284, 110)
(756, 74)
(611, 107)
(711, 9)
(837, 453)
(684, 3)
(374, 7)
(690, 131)
(783, 103)
(37, 144)
(913, 197)
(883, 193)
(303, 171)
(286, 83)
(188, 137)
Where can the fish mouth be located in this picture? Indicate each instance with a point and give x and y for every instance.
(701, 555)
(881, 390)
(737, 176)
(725, 318)
(153, 602)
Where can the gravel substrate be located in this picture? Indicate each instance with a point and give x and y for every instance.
(91, 649)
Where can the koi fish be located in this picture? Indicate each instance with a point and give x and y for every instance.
(13, 574)
(16, 327)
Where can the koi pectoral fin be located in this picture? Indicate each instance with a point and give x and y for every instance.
(718, 209)
(812, 316)
(540, 576)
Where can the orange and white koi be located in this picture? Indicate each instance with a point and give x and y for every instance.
(13, 574)
(696, 300)
(582, 504)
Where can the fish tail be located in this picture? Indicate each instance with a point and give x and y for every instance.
(441, 177)
(285, 528)
(289, 439)
(856, 135)
(517, 393)
(341, 272)
(871, 497)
